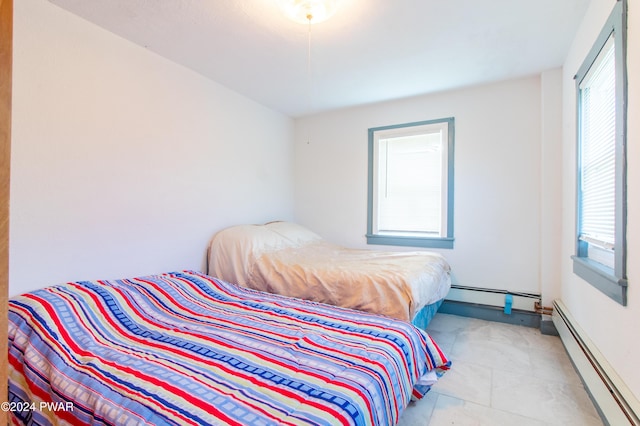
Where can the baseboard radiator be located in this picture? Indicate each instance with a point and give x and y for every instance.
(493, 297)
(498, 305)
(612, 398)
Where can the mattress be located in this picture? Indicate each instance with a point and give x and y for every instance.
(288, 259)
(185, 348)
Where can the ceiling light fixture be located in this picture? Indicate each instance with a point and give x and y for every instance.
(309, 11)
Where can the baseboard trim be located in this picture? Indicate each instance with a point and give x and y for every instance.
(612, 398)
(490, 313)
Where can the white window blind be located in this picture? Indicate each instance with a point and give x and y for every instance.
(410, 182)
(597, 154)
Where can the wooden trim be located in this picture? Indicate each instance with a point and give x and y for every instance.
(6, 56)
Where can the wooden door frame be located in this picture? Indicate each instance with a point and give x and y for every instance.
(6, 64)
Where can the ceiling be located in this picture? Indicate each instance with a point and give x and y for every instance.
(369, 51)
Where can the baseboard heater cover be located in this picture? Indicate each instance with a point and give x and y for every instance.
(490, 313)
(612, 398)
(493, 297)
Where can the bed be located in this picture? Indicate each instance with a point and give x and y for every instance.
(288, 259)
(186, 348)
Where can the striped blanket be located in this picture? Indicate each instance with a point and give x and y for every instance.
(187, 349)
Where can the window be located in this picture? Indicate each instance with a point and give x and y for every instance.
(411, 184)
(601, 176)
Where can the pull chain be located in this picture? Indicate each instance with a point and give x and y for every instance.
(309, 78)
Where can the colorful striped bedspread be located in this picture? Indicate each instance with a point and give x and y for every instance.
(187, 349)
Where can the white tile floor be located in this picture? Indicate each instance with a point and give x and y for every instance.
(501, 375)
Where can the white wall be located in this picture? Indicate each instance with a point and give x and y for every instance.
(612, 327)
(124, 163)
(550, 188)
(497, 177)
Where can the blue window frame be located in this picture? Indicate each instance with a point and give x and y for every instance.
(601, 86)
(410, 185)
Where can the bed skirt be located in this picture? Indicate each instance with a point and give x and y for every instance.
(424, 315)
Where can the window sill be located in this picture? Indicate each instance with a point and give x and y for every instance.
(393, 240)
(602, 278)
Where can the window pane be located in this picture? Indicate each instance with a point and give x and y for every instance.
(598, 140)
(410, 182)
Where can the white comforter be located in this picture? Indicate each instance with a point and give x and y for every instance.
(287, 259)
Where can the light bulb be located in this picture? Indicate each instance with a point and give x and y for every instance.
(309, 11)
